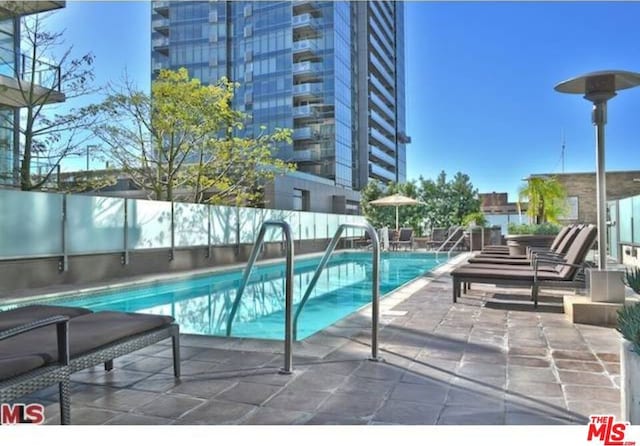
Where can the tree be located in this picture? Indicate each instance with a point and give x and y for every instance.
(545, 199)
(183, 137)
(48, 135)
(448, 202)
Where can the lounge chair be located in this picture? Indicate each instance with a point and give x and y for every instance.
(557, 250)
(24, 373)
(494, 250)
(405, 238)
(544, 272)
(94, 338)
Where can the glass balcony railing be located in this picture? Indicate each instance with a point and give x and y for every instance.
(305, 21)
(383, 156)
(303, 46)
(306, 67)
(382, 139)
(159, 23)
(381, 68)
(160, 42)
(380, 104)
(35, 71)
(381, 172)
(304, 111)
(378, 119)
(307, 89)
(381, 88)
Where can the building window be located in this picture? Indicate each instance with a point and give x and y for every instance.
(300, 200)
(247, 10)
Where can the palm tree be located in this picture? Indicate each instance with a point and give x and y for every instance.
(545, 198)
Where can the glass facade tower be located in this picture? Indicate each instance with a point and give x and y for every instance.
(298, 65)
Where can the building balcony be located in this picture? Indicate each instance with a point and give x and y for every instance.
(382, 140)
(381, 89)
(305, 134)
(161, 8)
(382, 69)
(382, 156)
(381, 104)
(379, 120)
(40, 77)
(307, 71)
(305, 111)
(381, 173)
(307, 90)
(160, 25)
(306, 7)
(306, 24)
(304, 48)
(16, 9)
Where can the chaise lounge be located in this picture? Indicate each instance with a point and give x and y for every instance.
(543, 272)
(93, 339)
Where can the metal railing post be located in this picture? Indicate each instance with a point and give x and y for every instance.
(172, 252)
(288, 321)
(125, 241)
(63, 263)
(208, 231)
(375, 279)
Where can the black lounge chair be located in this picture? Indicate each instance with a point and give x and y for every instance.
(557, 250)
(544, 272)
(25, 373)
(405, 238)
(497, 250)
(94, 338)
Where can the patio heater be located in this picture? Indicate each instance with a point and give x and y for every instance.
(598, 87)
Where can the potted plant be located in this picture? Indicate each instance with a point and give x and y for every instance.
(629, 327)
(523, 235)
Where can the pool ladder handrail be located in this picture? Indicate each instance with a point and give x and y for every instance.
(448, 239)
(288, 326)
(375, 287)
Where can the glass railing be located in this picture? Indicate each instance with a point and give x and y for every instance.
(307, 88)
(306, 67)
(381, 88)
(160, 41)
(382, 122)
(381, 104)
(95, 225)
(383, 156)
(380, 171)
(382, 139)
(304, 45)
(34, 71)
(160, 23)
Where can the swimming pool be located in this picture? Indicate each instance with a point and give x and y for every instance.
(201, 305)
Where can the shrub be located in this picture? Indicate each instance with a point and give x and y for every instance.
(632, 279)
(629, 325)
(541, 229)
(477, 217)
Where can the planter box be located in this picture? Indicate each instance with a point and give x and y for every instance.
(606, 286)
(629, 383)
(518, 243)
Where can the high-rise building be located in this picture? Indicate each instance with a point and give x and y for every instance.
(16, 73)
(331, 71)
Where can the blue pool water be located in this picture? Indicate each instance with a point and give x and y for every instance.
(202, 305)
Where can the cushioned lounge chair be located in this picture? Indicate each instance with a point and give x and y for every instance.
(556, 251)
(544, 272)
(22, 373)
(504, 249)
(405, 238)
(94, 339)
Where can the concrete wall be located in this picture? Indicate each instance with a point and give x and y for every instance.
(87, 269)
(279, 194)
(583, 186)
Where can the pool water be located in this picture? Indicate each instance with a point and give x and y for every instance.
(201, 305)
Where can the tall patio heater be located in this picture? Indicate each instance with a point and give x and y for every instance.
(598, 87)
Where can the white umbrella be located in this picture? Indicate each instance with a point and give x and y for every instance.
(396, 200)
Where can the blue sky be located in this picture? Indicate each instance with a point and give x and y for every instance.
(480, 78)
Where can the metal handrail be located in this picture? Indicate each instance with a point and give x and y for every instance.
(288, 325)
(375, 286)
(448, 239)
(454, 246)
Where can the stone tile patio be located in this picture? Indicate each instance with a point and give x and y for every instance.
(489, 359)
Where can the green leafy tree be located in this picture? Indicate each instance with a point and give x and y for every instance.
(448, 202)
(180, 141)
(545, 197)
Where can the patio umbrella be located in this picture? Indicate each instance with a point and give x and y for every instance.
(396, 200)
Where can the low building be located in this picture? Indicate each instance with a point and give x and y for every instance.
(582, 192)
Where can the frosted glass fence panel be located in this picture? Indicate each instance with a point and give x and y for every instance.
(626, 213)
(224, 223)
(190, 224)
(30, 223)
(291, 217)
(333, 221)
(250, 222)
(94, 224)
(321, 221)
(307, 226)
(149, 224)
(636, 218)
